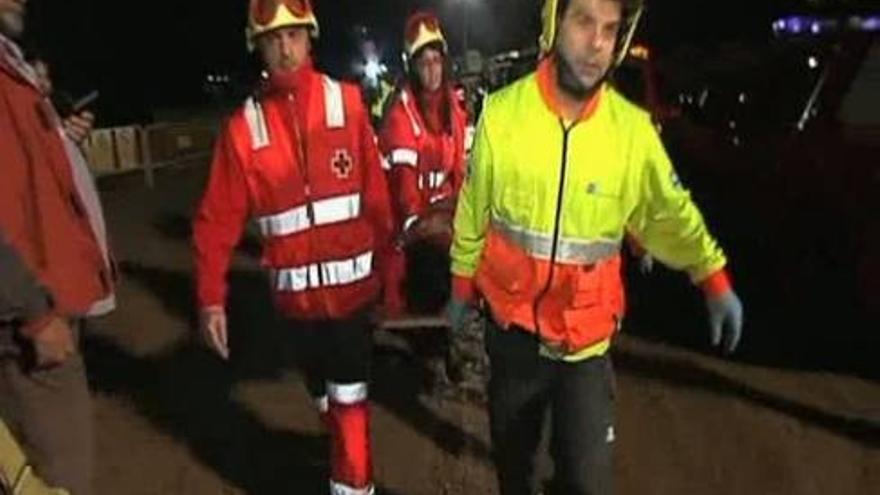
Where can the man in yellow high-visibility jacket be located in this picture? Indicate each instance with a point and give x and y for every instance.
(562, 167)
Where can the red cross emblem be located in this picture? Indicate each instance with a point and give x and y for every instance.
(342, 164)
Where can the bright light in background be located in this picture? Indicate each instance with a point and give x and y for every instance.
(640, 52)
(218, 78)
(703, 97)
(871, 24)
(813, 62)
(372, 70)
(817, 26)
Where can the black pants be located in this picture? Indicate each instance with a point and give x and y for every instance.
(580, 398)
(338, 351)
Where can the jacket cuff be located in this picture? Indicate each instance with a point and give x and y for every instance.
(209, 298)
(717, 283)
(410, 220)
(35, 327)
(463, 288)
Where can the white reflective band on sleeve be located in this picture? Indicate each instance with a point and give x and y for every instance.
(435, 180)
(343, 489)
(404, 156)
(438, 198)
(334, 104)
(256, 121)
(421, 181)
(327, 274)
(409, 221)
(338, 209)
(326, 211)
(347, 394)
(285, 223)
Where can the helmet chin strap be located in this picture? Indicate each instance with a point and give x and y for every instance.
(626, 40)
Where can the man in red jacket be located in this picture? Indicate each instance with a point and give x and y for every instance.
(54, 268)
(300, 159)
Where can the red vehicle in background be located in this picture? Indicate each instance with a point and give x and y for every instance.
(780, 144)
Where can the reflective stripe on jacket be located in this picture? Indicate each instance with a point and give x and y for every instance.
(304, 165)
(426, 167)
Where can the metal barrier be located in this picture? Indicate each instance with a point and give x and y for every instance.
(120, 150)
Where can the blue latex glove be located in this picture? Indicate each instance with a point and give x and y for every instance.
(725, 320)
(456, 313)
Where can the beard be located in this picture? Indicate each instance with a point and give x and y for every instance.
(11, 24)
(570, 82)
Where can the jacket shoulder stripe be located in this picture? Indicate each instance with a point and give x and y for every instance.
(256, 121)
(405, 100)
(334, 104)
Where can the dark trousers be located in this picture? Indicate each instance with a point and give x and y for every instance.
(335, 357)
(338, 351)
(580, 398)
(50, 411)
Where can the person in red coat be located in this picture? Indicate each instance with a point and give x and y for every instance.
(423, 140)
(300, 159)
(56, 270)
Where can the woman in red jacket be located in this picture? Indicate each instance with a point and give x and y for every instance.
(423, 139)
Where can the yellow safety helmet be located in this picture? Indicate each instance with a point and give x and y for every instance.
(269, 15)
(633, 10)
(422, 29)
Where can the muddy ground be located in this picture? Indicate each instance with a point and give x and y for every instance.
(173, 419)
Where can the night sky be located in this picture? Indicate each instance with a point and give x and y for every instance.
(156, 53)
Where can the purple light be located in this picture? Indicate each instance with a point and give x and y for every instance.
(871, 24)
(795, 25)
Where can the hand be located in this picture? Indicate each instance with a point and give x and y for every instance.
(53, 344)
(79, 126)
(725, 320)
(212, 327)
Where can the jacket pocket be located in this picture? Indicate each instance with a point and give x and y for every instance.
(506, 266)
(587, 288)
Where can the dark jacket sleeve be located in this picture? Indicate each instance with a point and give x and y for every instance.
(22, 299)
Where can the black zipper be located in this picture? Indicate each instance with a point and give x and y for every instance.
(563, 169)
